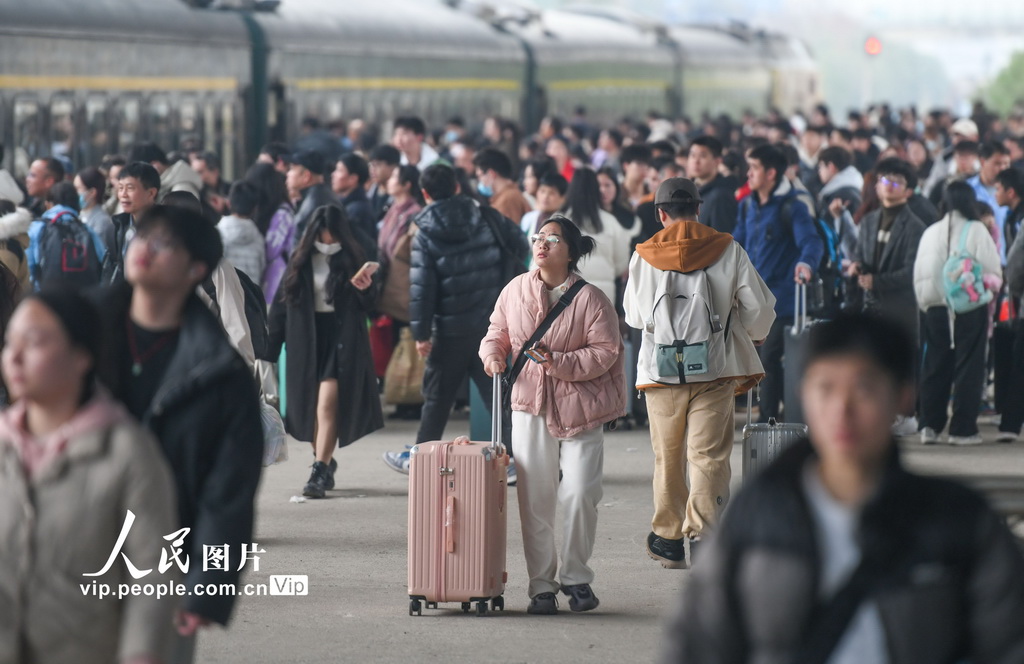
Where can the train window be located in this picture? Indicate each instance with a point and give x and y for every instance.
(27, 133)
(190, 123)
(333, 109)
(97, 140)
(62, 126)
(228, 142)
(160, 123)
(211, 125)
(129, 112)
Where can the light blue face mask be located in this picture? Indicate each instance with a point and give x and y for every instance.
(81, 202)
(451, 136)
(484, 190)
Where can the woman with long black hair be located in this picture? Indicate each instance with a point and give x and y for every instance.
(320, 312)
(610, 259)
(275, 219)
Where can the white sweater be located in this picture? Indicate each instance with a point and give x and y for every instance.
(937, 244)
(610, 258)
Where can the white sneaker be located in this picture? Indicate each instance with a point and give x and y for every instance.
(976, 439)
(1006, 437)
(928, 436)
(904, 426)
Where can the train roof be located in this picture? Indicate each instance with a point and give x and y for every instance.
(703, 44)
(163, 20)
(571, 37)
(425, 29)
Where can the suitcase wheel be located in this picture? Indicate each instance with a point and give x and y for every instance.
(431, 605)
(466, 606)
(481, 608)
(498, 604)
(415, 608)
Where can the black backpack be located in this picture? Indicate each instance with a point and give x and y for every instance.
(67, 253)
(255, 314)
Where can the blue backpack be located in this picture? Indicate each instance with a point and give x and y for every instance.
(962, 278)
(67, 253)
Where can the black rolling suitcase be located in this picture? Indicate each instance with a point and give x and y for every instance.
(793, 359)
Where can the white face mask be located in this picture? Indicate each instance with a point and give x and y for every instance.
(327, 249)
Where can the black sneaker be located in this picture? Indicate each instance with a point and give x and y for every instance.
(332, 467)
(670, 553)
(316, 487)
(581, 597)
(544, 604)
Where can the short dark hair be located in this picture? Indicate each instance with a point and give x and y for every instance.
(882, 340)
(412, 123)
(142, 171)
(63, 193)
(863, 134)
(54, 168)
(845, 133)
(896, 166)
(711, 144)
(966, 147)
(771, 158)
(821, 130)
(635, 152)
(199, 237)
(792, 155)
(111, 160)
(615, 135)
(677, 210)
(578, 244)
(211, 160)
(663, 146)
(555, 181)
(989, 149)
(183, 199)
(439, 181)
(275, 150)
(837, 156)
(493, 159)
(148, 152)
(356, 165)
(243, 199)
(389, 154)
(1012, 178)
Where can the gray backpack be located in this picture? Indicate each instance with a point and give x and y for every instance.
(689, 339)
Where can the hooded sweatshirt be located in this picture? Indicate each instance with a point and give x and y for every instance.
(739, 296)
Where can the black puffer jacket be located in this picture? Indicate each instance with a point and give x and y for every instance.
(719, 207)
(950, 588)
(456, 274)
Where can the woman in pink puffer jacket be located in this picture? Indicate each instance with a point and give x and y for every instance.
(559, 408)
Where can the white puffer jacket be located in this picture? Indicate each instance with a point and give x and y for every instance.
(937, 244)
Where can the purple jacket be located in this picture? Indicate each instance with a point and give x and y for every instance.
(280, 235)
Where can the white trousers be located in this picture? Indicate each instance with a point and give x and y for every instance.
(539, 458)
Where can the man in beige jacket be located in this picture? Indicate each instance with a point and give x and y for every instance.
(692, 422)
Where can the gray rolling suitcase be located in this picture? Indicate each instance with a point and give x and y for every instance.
(793, 359)
(763, 443)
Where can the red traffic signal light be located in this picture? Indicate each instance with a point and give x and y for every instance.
(873, 46)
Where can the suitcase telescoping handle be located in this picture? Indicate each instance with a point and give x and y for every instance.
(497, 428)
(799, 309)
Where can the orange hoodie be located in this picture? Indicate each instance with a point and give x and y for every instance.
(684, 246)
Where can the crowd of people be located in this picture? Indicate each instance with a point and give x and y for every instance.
(446, 250)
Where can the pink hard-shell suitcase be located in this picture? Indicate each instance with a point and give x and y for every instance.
(457, 521)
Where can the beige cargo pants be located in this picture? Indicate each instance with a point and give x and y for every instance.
(692, 428)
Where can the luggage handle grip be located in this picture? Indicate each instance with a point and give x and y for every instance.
(449, 525)
(800, 309)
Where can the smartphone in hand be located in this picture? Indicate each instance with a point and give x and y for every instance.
(368, 269)
(535, 355)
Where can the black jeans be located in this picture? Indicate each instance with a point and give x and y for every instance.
(771, 388)
(960, 370)
(450, 361)
(1013, 400)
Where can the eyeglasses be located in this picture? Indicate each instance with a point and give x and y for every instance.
(895, 184)
(546, 239)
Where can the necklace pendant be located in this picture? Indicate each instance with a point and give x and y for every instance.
(136, 369)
